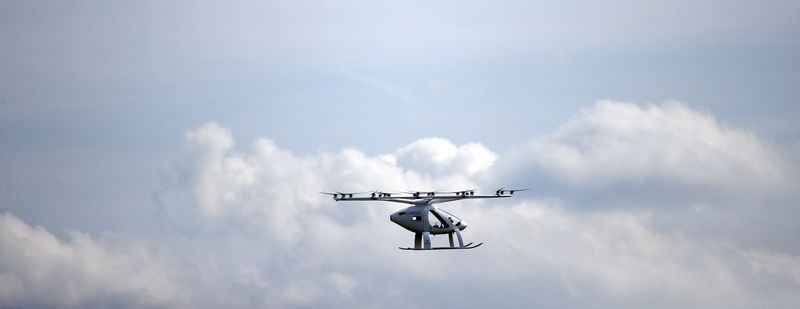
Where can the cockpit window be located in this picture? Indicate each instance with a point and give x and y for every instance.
(450, 216)
(437, 221)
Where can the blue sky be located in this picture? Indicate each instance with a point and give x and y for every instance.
(183, 142)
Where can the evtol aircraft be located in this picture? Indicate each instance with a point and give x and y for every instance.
(423, 218)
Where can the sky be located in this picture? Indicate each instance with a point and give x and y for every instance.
(170, 153)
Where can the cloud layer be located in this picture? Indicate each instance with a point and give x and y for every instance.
(39, 270)
(618, 142)
(248, 224)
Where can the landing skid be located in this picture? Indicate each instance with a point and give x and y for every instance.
(468, 246)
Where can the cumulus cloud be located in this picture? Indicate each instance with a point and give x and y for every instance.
(256, 231)
(311, 249)
(603, 258)
(440, 155)
(275, 188)
(611, 143)
(39, 270)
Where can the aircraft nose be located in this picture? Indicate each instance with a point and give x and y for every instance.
(461, 225)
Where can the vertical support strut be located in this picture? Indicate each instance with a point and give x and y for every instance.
(426, 240)
(417, 240)
(450, 236)
(460, 240)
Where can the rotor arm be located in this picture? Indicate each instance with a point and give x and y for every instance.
(381, 199)
(465, 197)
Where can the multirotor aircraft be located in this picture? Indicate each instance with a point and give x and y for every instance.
(422, 217)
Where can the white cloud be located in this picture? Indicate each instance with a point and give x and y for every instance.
(39, 270)
(603, 259)
(260, 235)
(438, 155)
(272, 190)
(624, 143)
(610, 257)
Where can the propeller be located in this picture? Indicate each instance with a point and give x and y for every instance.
(503, 191)
(341, 195)
(379, 193)
(463, 192)
(427, 193)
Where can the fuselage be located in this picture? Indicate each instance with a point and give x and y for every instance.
(427, 218)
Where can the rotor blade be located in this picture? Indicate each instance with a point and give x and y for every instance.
(347, 193)
(351, 193)
(424, 191)
(461, 191)
(503, 191)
